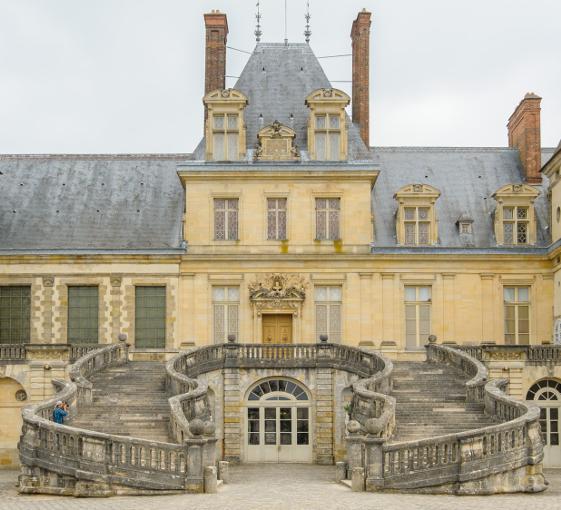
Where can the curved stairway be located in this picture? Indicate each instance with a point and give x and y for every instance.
(128, 400)
(431, 401)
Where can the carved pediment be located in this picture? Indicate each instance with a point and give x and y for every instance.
(328, 95)
(277, 287)
(276, 143)
(225, 95)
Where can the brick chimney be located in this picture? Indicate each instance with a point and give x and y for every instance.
(524, 135)
(360, 35)
(216, 25)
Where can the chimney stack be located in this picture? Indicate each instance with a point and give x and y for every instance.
(360, 35)
(216, 25)
(524, 134)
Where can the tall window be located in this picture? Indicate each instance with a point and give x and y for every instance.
(328, 312)
(517, 315)
(417, 316)
(327, 219)
(226, 304)
(226, 219)
(276, 219)
(328, 137)
(226, 137)
(83, 311)
(515, 225)
(417, 225)
(15, 314)
(150, 317)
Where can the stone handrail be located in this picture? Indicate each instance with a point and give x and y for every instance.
(19, 352)
(65, 460)
(12, 352)
(191, 415)
(505, 457)
(532, 354)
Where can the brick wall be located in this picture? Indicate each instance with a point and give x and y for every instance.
(360, 36)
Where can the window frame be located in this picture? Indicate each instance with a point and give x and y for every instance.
(225, 131)
(330, 305)
(25, 318)
(277, 238)
(228, 305)
(162, 339)
(326, 212)
(517, 305)
(226, 211)
(418, 304)
(327, 130)
(515, 222)
(416, 196)
(416, 222)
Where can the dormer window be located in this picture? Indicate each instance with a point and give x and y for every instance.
(416, 223)
(225, 128)
(515, 223)
(327, 126)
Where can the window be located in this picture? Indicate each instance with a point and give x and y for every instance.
(83, 310)
(150, 317)
(417, 225)
(15, 314)
(417, 316)
(327, 130)
(226, 303)
(515, 225)
(226, 137)
(327, 219)
(328, 137)
(225, 132)
(517, 315)
(276, 219)
(328, 312)
(226, 219)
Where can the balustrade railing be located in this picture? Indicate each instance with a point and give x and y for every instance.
(12, 352)
(449, 463)
(86, 462)
(532, 354)
(19, 352)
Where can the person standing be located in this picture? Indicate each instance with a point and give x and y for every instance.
(60, 412)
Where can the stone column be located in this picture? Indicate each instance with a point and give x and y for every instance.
(232, 406)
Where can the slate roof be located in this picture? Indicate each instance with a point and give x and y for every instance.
(277, 79)
(466, 177)
(102, 202)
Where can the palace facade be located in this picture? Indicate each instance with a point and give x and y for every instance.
(284, 226)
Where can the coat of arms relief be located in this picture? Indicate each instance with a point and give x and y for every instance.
(278, 291)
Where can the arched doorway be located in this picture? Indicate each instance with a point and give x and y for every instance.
(278, 422)
(547, 395)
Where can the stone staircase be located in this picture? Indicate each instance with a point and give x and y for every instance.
(128, 400)
(431, 401)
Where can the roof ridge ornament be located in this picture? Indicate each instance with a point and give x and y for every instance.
(258, 32)
(308, 16)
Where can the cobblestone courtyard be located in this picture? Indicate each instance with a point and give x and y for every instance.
(283, 487)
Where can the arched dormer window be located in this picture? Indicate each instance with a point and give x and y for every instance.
(327, 125)
(416, 223)
(515, 219)
(225, 127)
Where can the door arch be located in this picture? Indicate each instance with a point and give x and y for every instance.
(546, 394)
(277, 417)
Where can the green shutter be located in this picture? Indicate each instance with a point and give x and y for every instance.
(15, 314)
(83, 315)
(150, 317)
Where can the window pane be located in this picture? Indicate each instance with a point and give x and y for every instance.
(219, 324)
(424, 293)
(522, 233)
(410, 293)
(321, 146)
(334, 293)
(508, 232)
(219, 221)
(334, 224)
(409, 213)
(423, 213)
(508, 213)
(509, 294)
(232, 122)
(410, 237)
(521, 213)
(218, 293)
(334, 333)
(219, 146)
(233, 149)
(233, 294)
(321, 320)
(233, 224)
(334, 141)
(233, 320)
(150, 317)
(282, 225)
(424, 233)
(321, 224)
(321, 293)
(523, 294)
(219, 122)
(333, 122)
(83, 309)
(320, 121)
(15, 314)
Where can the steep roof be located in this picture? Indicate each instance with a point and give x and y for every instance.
(466, 177)
(102, 202)
(277, 79)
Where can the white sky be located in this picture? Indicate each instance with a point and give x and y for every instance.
(103, 76)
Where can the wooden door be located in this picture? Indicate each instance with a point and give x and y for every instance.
(277, 329)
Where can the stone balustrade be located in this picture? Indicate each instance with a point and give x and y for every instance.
(505, 457)
(25, 352)
(530, 354)
(64, 460)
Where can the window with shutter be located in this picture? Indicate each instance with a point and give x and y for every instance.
(226, 302)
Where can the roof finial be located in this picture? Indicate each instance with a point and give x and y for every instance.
(258, 17)
(308, 32)
(285, 23)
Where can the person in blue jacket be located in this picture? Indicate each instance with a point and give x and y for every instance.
(60, 412)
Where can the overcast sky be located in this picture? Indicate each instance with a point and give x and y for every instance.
(103, 76)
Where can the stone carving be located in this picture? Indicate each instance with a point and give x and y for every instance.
(277, 286)
(21, 395)
(276, 143)
(48, 281)
(116, 281)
